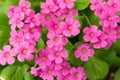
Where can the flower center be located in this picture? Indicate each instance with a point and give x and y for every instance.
(76, 75)
(70, 28)
(18, 39)
(24, 9)
(84, 50)
(50, 6)
(49, 71)
(109, 18)
(66, 1)
(32, 30)
(56, 39)
(47, 18)
(24, 51)
(55, 26)
(92, 34)
(7, 55)
(57, 54)
(44, 58)
(18, 21)
(99, 41)
(114, 5)
(33, 19)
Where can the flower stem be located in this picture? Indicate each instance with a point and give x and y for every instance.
(89, 23)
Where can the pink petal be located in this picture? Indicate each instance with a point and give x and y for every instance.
(50, 43)
(58, 60)
(10, 60)
(29, 57)
(7, 48)
(21, 57)
(67, 33)
(70, 5)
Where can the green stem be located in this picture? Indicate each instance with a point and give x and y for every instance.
(87, 19)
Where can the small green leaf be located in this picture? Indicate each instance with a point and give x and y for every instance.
(40, 44)
(117, 75)
(96, 69)
(81, 4)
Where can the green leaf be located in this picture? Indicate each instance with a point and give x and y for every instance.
(116, 46)
(68, 47)
(26, 74)
(40, 44)
(4, 35)
(4, 7)
(8, 71)
(109, 56)
(16, 72)
(96, 69)
(81, 4)
(117, 75)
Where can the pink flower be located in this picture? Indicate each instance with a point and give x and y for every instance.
(111, 35)
(91, 34)
(101, 43)
(7, 55)
(109, 18)
(16, 21)
(36, 71)
(57, 56)
(66, 3)
(32, 33)
(24, 6)
(49, 6)
(16, 37)
(55, 26)
(84, 52)
(33, 20)
(95, 3)
(42, 60)
(77, 74)
(100, 10)
(25, 51)
(62, 69)
(71, 27)
(47, 19)
(114, 5)
(57, 41)
(13, 11)
(48, 73)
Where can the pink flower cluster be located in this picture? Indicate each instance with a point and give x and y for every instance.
(26, 26)
(109, 20)
(25, 32)
(58, 18)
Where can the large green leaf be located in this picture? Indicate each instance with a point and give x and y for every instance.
(96, 69)
(4, 7)
(4, 35)
(81, 4)
(16, 72)
(117, 75)
(109, 56)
